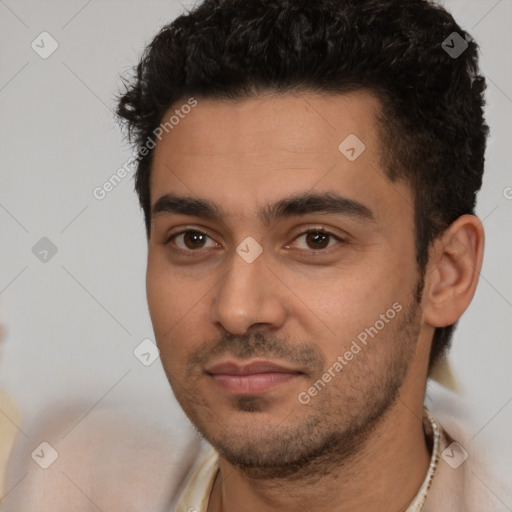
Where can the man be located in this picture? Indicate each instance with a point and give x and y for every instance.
(308, 174)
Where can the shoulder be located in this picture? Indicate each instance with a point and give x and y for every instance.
(465, 479)
(109, 460)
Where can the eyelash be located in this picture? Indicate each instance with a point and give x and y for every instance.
(314, 230)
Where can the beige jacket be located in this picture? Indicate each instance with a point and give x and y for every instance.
(112, 463)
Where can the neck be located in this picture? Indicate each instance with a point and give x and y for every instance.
(385, 474)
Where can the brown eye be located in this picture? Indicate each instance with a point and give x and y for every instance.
(193, 239)
(190, 240)
(317, 240)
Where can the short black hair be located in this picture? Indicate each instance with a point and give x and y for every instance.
(411, 54)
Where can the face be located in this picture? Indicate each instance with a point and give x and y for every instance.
(281, 275)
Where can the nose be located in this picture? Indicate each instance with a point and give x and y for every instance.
(249, 297)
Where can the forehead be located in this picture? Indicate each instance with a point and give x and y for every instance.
(275, 122)
(243, 153)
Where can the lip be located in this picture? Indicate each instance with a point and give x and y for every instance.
(232, 367)
(251, 378)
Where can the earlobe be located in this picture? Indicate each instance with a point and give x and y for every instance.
(453, 271)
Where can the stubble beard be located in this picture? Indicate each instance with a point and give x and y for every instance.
(337, 425)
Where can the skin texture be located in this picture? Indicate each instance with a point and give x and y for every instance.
(301, 303)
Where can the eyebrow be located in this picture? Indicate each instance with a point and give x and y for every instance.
(300, 204)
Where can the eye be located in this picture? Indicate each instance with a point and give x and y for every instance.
(318, 239)
(315, 239)
(191, 240)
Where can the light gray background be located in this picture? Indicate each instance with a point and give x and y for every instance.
(72, 323)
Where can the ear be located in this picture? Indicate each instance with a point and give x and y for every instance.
(453, 271)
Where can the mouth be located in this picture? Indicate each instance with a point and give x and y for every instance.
(251, 378)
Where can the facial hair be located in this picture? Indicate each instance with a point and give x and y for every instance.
(332, 429)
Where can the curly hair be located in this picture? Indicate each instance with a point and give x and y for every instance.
(431, 125)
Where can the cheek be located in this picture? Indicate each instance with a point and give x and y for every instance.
(161, 300)
(345, 303)
(164, 310)
(166, 301)
(169, 295)
(175, 306)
